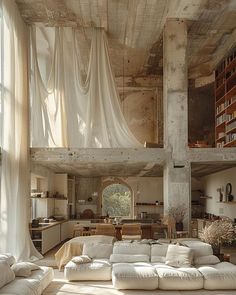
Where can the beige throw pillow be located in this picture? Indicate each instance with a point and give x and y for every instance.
(23, 269)
(81, 259)
(179, 256)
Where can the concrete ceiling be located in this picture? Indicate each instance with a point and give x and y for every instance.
(134, 29)
(203, 169)
(101, 162)
(120, 162)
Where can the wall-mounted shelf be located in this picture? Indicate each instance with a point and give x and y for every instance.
(148, 204)
(205, 197)
(227, 202)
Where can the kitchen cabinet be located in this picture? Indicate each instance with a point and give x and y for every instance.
(47, 236)
(64, 231)
(51, 237)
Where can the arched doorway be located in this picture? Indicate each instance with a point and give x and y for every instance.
(117, 200)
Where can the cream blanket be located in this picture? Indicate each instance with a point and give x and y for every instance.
(74, 247)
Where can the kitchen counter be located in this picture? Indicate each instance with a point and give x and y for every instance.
(43, 226)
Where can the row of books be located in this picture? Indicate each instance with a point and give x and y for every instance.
(230, 126)
(225, 63)
(225, 104)
(230, 137)
(221, 119)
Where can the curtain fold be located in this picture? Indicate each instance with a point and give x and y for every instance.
(14, 198)
(70, 110)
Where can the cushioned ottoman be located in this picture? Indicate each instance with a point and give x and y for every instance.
(33, 285)
(97, 270)
(219, 276)
(138, 275)
(182, 278)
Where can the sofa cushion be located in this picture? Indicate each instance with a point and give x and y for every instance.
(6, 273)
(33, 285)
(131, 248)
(159, 249)
(158, 259)
(182, 278)
(97, 270)
(199, 248)
(24, 269)
(206, 260)
(114, 258)
(97, 250)
(134, 276)
(219, 276)
(179, 256)
(8, 257)
(81, 259)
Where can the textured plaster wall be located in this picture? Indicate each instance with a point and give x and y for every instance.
(140, 111)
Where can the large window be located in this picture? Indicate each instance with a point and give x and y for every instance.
(117, 200)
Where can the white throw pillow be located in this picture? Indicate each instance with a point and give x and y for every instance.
(8, 258)
(116, 258)
(97, 250)
(179, 256)
(206, 260)
(23, 269)
(6, 273)
(81, 259)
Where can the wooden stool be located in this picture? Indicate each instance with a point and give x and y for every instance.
(182, 234)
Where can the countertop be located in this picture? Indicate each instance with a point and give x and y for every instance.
(44, 226)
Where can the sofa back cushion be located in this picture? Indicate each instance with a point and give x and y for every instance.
(206, 260)
(199, 248)
(6, 273)
(8, 258)
(97, 250)
(131, 248)
(179, 256)
(159, 249)
(116, 258)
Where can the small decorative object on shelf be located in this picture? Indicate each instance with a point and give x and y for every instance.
(228, 191)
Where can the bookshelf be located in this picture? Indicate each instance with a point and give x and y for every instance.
(225, 102)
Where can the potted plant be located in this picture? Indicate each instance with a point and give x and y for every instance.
(218, 232)
(177, 213)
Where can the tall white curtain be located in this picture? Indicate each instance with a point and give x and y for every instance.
(14, 198)
(68, 109)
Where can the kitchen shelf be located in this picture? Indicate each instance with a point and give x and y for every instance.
(149, 204)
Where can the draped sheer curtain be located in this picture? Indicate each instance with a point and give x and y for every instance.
(14, 198)
(70, 108)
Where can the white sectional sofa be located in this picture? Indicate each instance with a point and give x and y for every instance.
(137, 265)
(23, 278)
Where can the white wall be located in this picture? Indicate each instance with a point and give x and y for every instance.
(42, 172)
(214, 181)
(146, 190)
